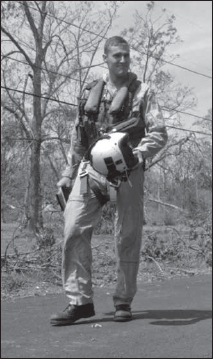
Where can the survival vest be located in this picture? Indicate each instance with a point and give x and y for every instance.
(98, 115)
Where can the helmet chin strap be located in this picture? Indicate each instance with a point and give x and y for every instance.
(127, 176)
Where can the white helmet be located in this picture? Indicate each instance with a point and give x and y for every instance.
(111, 155)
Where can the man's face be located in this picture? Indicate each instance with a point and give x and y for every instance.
(118, 59)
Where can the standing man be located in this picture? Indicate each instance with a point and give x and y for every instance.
(125, 109)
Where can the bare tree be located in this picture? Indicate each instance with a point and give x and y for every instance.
(150, 38)
(49, 41)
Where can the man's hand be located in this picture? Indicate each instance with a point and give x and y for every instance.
(138, 154)
(65, 187)
(65, 182)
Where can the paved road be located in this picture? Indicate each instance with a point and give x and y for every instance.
(172, 319)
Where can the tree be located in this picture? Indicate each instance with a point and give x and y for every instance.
(51, 60)
(150, 38)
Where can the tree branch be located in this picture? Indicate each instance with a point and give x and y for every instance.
(19, 118)
(17, 45)
(9, 53)
(31, 21)
(166, 204)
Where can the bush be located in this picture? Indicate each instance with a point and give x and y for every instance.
(106, 225)
(45, 238)
(13, 282)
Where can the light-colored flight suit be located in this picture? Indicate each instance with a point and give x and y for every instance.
(83, 211)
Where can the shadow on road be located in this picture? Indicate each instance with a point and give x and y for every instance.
(174, 317)
(162, 317)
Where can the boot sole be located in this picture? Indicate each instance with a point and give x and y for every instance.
(68, 322)
(121, 319)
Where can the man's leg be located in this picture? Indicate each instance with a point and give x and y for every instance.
(81, 214)
(128, 237)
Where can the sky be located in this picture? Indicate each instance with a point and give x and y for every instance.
(194, 26)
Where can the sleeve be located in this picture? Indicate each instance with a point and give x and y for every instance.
(75, 154)
(77, 150)
(156, 134)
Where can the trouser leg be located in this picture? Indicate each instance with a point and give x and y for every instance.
(82, 213)
(128, 236)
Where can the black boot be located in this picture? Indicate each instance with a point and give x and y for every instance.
(72, 313)
(122, 313)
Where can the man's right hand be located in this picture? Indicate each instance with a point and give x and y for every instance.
(65, 182)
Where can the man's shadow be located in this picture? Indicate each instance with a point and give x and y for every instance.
(161, 317)
(174, 317)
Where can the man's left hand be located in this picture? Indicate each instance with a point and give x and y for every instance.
(138, 154)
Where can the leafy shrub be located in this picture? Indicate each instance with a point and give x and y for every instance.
(13, 282)
(45, 238)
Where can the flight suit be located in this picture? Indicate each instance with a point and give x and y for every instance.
(83, 209)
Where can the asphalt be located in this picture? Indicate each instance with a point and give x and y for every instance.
(171, 319)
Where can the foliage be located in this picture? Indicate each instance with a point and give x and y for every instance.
(167, 251)
(106, 225)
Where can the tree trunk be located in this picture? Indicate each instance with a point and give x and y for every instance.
(34, 188)
(34, 181)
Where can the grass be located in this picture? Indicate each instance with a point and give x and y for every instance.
(32, 266)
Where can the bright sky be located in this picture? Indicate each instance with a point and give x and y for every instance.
(194, 26)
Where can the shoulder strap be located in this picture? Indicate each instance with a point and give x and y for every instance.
(133, 83)
(94, 98)
(131, 86)
(96, 89)
(134, 86)
(90, 85)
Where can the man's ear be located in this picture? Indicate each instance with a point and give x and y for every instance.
(104, 57)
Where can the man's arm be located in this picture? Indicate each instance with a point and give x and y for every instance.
(156, 133)
(75, 154)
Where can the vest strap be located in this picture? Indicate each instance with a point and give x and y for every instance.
(118, 100)
(94, 98)
(96, 89)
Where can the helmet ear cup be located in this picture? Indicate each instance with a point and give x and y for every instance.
(111, 155)
(126, 151)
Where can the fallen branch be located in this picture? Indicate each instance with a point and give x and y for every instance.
(188, 246)
(166, 204)
(56, 275)
(11, 241)
(195, 249)
(183, 270)
(158, 265)
(98, 245)
(179, 236)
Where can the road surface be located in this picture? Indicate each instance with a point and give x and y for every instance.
(172, 319)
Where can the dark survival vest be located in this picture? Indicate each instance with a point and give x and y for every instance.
(98, 115)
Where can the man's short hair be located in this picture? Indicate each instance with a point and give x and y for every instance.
(114, 41)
